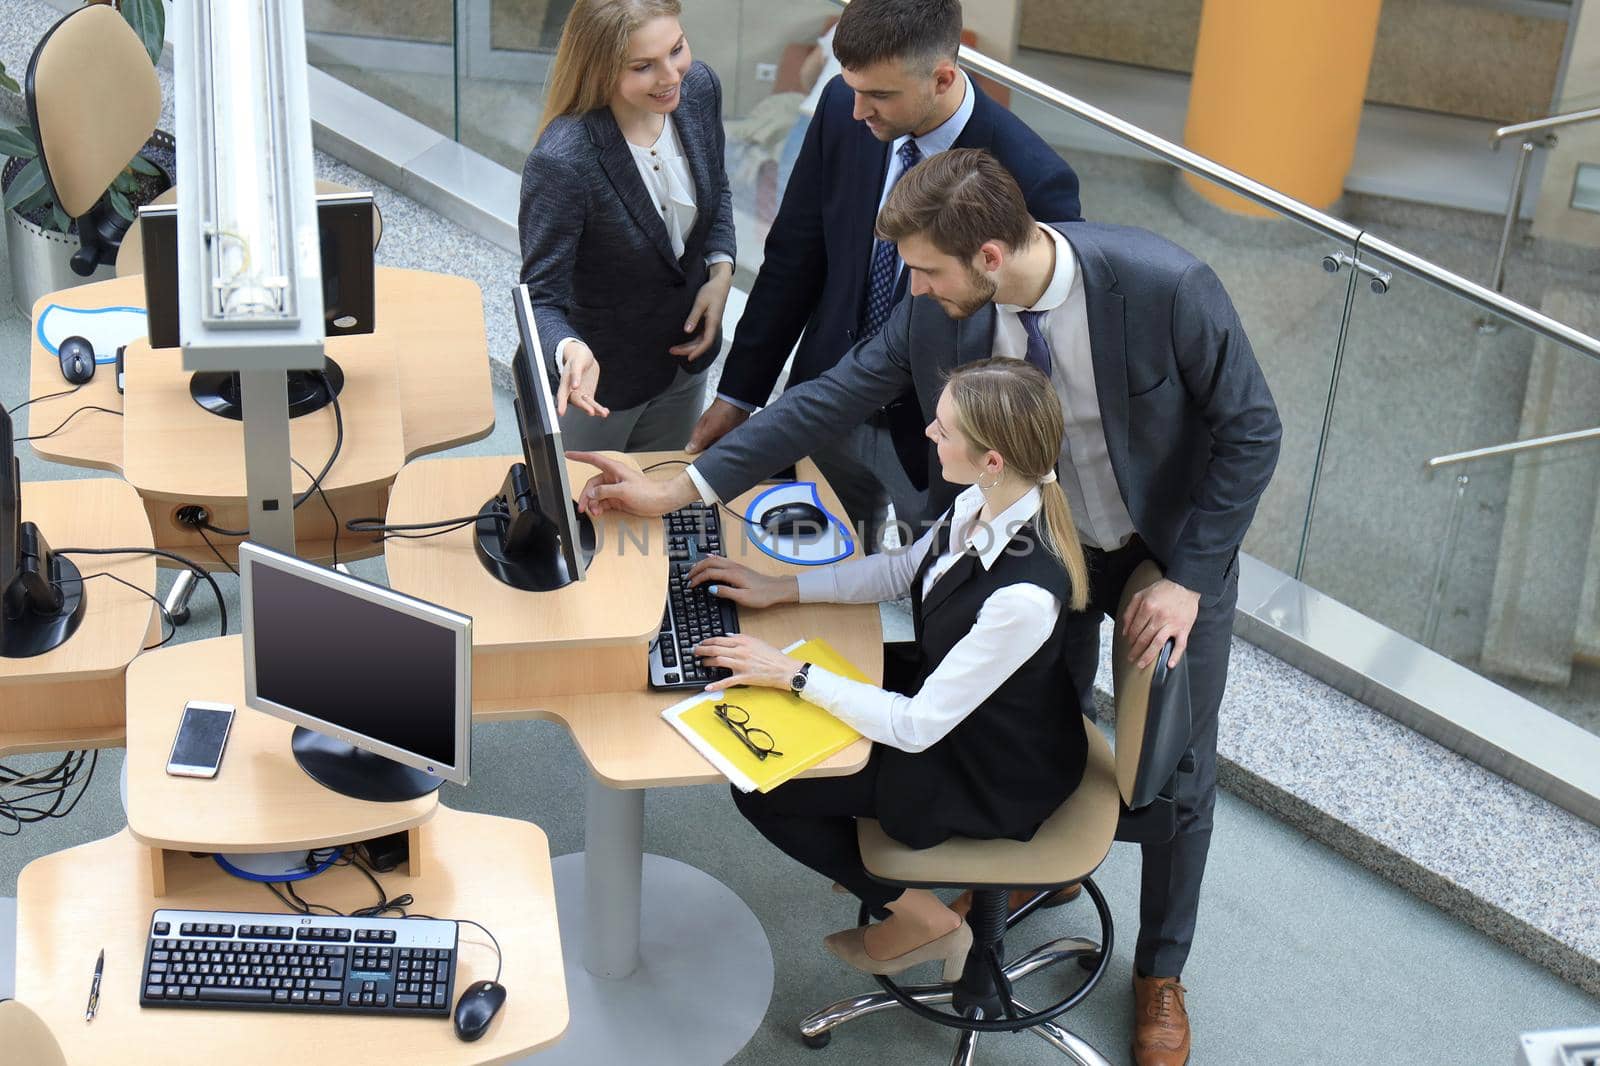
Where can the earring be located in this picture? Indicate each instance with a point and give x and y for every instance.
(991, 486)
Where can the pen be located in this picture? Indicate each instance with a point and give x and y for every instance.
(94, 987)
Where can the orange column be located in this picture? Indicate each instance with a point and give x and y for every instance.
(1277, 94)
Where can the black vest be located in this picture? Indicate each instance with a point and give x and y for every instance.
(1010, 763)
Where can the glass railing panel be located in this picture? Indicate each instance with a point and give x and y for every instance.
(1494, 561)
(401, 52)
(505, 50)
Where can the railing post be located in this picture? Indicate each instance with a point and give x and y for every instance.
(1497, 276)
(1441, 567)
(1333, 391)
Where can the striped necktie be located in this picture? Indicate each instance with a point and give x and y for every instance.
(886, 260)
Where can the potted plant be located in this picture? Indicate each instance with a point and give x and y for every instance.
(40, 237)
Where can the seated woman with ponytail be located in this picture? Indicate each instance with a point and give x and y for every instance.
(973, 742)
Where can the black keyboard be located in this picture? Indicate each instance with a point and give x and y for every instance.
(691, 614)
(297, 962)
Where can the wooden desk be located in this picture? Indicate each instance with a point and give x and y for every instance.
(577, 655)
(420, 384)
(492, 870)
(526, 664)
(72, 697)
(260, 800)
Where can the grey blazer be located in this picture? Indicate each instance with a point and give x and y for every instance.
(1189, 420)
(595, 254)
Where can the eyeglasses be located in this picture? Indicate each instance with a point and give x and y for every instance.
(737, 719)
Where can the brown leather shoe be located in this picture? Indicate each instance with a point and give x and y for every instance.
(1160, 1022)
(963, 903)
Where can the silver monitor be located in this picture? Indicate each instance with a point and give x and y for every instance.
(379, 683)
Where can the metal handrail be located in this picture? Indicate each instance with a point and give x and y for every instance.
(1538, 124)
(1288, 206)
(1516, 447)
(1497, 275)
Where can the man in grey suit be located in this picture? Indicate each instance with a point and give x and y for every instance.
(1172, 436)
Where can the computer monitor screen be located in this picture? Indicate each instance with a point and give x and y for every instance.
(531, 535)
(10, 504)
(382, 679)
(345, 223)
(42, 597)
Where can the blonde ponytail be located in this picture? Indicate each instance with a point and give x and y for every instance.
(1060, 536)
(1009, 406)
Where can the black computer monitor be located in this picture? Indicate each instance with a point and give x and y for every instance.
(378, 683)
(529, 535)
(41, 593)
(345, 221)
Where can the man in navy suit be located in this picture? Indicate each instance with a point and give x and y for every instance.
(901, 99)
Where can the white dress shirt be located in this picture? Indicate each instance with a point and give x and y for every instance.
(664, 169)
(1013, 624)
(1085, 464)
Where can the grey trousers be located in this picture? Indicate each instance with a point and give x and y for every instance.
(1169, 893)
(865, 471)
(659, 425)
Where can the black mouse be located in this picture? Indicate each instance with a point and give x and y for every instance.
(77, 360)
(804, 520)
(477, 1007)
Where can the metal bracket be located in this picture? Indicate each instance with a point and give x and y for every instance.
(1338, 260)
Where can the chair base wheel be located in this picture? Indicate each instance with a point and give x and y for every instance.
(179, 617)
(1088, 962)
(819, 1041)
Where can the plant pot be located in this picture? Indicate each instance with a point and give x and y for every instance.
(40, 258)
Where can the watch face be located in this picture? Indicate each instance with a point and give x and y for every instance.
(798, 681)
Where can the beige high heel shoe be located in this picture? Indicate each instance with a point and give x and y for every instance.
(850, 945)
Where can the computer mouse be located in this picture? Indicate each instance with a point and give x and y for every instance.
(795, 519)
(77, 360)
(477, 1007)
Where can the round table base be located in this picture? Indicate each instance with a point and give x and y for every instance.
(700, 990)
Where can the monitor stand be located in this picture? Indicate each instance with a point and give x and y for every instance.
(218, 391)
(27, 631)
(524, 549)
(358, 774)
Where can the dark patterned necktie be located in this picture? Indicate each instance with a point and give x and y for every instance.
(886, 260)
(1038, 347)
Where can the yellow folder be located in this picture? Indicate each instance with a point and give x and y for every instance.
(805, 733)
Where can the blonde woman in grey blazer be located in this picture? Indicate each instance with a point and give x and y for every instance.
(627, 227)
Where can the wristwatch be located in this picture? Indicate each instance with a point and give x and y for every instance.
(798, 681)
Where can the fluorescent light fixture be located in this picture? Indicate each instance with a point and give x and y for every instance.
(249, 262)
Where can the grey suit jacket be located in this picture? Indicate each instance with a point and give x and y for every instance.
(595, 253)
(1190, 423)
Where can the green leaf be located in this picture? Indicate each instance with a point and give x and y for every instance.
(38, 199)
(120, 204)
(28, 181)
(140, 165)
(59, 217)
(12, 142)
(124, 183)
(7, 82)
(149, 20)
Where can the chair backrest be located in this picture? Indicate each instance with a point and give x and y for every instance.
(25, 1039)
(1153, 723)
(94, 99)
(130, 259)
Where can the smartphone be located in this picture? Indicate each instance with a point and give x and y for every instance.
(786, 474)
(202, 734)
(121, 349)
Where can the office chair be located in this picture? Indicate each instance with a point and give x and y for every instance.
(131, 259)
(93, 99)
(1127, 796)
(25, 1038)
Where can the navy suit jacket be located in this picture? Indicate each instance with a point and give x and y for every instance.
(1191, 426)
(814, 277)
